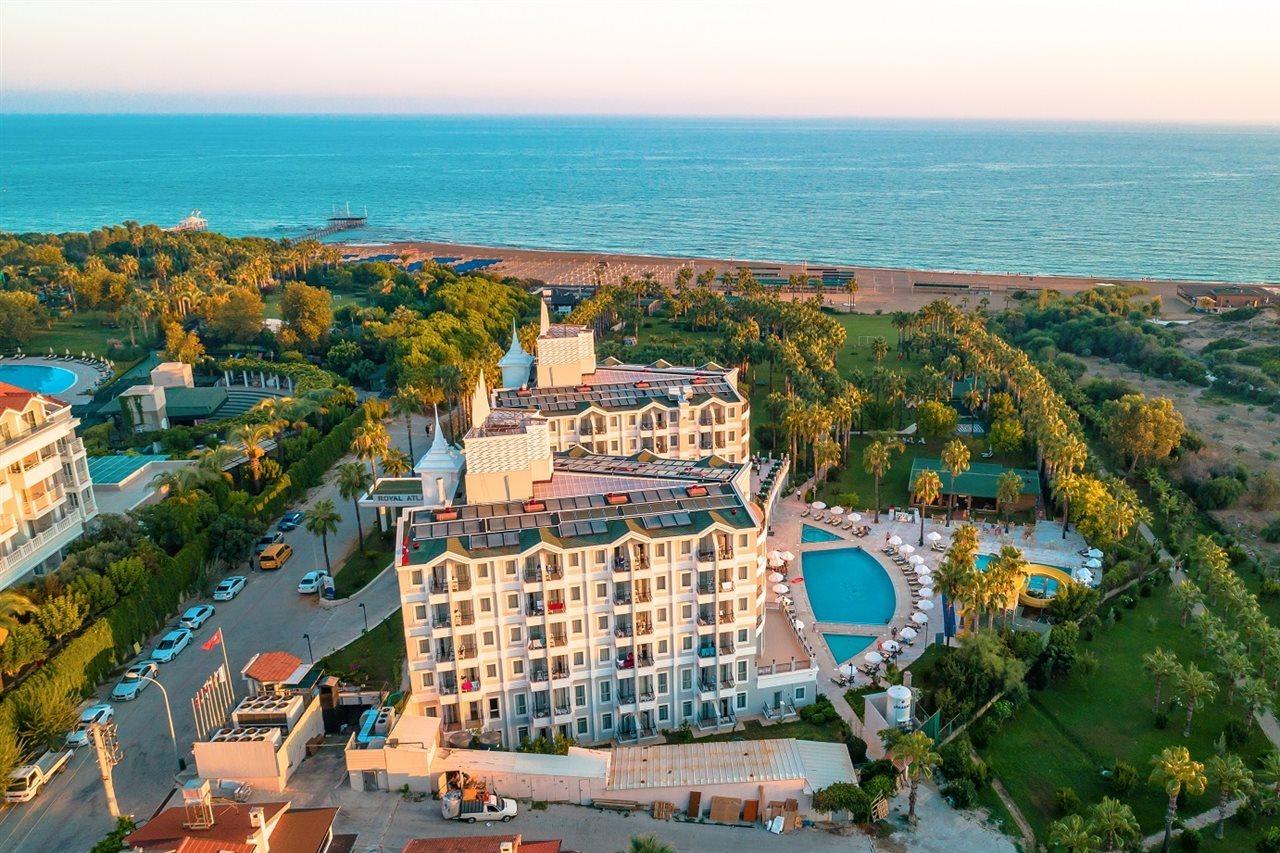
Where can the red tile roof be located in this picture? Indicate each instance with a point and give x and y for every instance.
(479, 844)
(15, 398)
(272, 666)
(231, 829)
(303, 830)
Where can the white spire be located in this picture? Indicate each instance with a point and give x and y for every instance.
(516, 363)
(544, 319)
(480, 402)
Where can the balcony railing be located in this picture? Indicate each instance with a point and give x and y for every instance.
(644, 596)
(644, 661)
(626, 698)
(706, 588)
(726, 648)
(725, 617)
(470, 686)
(555, 606)
(441, 621)
(60, 416)
(39, 541)
(444, 654)
(560, 672)
(622, 631)
(706, 651)
(621, 564)
(706, 556)
(559, 640)
(538, 675)
(707, 685)
(466, 652)
(622, 599)
(644, 628)
(464, 618)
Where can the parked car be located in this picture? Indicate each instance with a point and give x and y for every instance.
(94, 715)
(171, 645)
(290, 521)
(196, 616)
(275, 556)
(312, 581)
(229, 588)
(267, 540)
(134, 681)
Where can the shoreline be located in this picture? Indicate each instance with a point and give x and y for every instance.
(584, 267)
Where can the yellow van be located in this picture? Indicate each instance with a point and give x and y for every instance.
(275, 556)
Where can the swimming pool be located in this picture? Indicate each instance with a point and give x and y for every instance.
(43, 378)
(847, 585)
(816, 534)
(1042, 586)
(847, 646)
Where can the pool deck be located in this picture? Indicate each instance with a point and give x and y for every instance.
(87, 376)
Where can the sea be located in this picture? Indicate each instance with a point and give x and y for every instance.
(1083, 199)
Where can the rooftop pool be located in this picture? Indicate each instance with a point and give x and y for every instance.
(847, 585)
(809, 533)
(43, 378)
(845, 647)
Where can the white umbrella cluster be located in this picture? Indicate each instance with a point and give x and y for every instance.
(818, 505)
(934, 536)
(895, 540)
(776, 577)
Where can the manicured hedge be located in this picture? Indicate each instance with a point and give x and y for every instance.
(310, 469)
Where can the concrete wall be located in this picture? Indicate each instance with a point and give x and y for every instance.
(258, 762)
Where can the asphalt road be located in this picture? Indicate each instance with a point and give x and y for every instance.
(269, 614)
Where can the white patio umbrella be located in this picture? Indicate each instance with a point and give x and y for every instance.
(907, 549)
(1093, 554)
(925, 605)
(799, 625)
(818, 505)
(775, 562)
(1093, 564)
(775, 553)
(895, 540)
(926, 592)
(788, 556)
(915, 560)
(934, 536)
(1083, 576)
(848, 669)
(908, 633)
(837, 510)
(873, 658)
(919, 618)
(781, 588)
(891, 646)
(921, 571)
(776, 577)
(853, 516)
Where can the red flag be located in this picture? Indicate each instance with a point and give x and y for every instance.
(212, 642)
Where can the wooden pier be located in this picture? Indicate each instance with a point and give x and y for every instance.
(345, 221)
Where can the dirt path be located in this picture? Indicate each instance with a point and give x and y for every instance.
(1199, 821)
(1028, 835)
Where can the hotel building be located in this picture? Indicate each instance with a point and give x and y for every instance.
(46, 496)
(601, 597)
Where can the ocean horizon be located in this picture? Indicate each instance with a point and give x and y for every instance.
(1070, 198)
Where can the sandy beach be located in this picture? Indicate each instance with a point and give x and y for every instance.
(878, 287)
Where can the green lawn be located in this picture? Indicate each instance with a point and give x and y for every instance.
(84, 330)
(1066, 734)
(364, 564)
(856, 353)
(271, 301)
(375, 659)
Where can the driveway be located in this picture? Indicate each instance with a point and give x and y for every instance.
(71, 813)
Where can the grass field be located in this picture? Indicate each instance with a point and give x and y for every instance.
(85, 330)
(363, 565)
(374, 659)
(1067, 734)
(856, 353)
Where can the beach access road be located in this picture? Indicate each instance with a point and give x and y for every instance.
(269, 615)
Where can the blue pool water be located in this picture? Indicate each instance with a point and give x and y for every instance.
(845, 647)
(847, 585)
(37, 377)
(983, 560)
(816, 534)
(1042, 586)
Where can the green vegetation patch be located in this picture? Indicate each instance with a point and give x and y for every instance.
(375, 659)
(363, 565)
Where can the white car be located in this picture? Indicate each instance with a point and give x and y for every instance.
(229, 588)
(135, 681)
(312, 581)
(170, 645)
(196, 616)
(93, 715)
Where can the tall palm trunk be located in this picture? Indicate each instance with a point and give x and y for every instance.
(355, 503)
(324, 544)
(1170, 813)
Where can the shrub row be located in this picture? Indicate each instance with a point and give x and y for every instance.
(310, 469)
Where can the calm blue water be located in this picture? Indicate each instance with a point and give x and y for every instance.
(847, 646)
(809, 533)
(981, 561)
(847, 585)
(1088, 199)
(45, 379)
(1042, 586)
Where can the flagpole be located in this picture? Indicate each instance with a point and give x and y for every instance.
(226, 663)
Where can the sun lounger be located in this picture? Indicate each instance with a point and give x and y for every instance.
(804, 514)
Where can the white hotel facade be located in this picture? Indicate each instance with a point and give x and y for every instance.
(592, 584)
(46, 496)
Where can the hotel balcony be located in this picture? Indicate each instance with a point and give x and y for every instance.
(726, 617)
(55, 419)
(706, 555)
(707, 688)
(466, 652)
(644, 661)
(26, 555)
(538, 676)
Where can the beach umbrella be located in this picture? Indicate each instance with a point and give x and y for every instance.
(1093, 564)
(873, 658)
(926, 592)
(848, 669)
(895, 540)
(788, 556)
(925, 605)
(1093, 554)
(781, 588)
(799, 625)
(919, 618)
(915, 560)
(776, 577)
(818, 505)
(908, 633)
(907, 549)
(837, 510)
(775, 554)
(921, 571)
(853, 516)
(775, 563)
(891, 646)
(1083, 576)
(934, 536)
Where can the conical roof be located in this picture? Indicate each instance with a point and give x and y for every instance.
(516, 356)
(441, 457)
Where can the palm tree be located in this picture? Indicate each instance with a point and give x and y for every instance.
(957, 571)
(376, 410)
(955, 458)
(1194, 687)
(926, 489)
(1269, 774)
(876, 458)
(1187, 596)
(1254, 695)
(1174, 771)
(648, 844)
(1230, 779)
(12, 605)
(1114, 824)
(395, 462)
(915, 753)
(354, 481)
(321, 520)
(1008, 490)
(1161, 665)
(252, 437)
(1072, 834)
(370, 442)
(406, 403)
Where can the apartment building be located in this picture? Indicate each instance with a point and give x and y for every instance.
(620, 409)
(594, 596)
(46, 496)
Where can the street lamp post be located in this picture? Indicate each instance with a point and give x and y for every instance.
(173, 736)
(365, 613)
(310, 654)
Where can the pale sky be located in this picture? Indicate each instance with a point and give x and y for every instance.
(1119, 60)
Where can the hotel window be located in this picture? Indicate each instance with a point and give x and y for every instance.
(602, 623)
(686, 612)
(486, 604)
(686, 709)
(733, 411)
(631, 420)
(573, 559)
(686, 546)
(522, 733)
(579, 658)
(424, 647)
(488, 638)
(742, 605)
(426, 679)
(742, 670)
(577, 626)
(415, 577)
(420, 613)
(517, 634)
(632, 444)
(686, 644)
(575, 594)
(491, 671)
(662, 647)
(662, 614)
(733, 436)
(513, 601)
(613, 445)
(742, 635)
(664, 713)
(662, 584)
(579, 696)
(686, 580)
(742, 540)
(606, 691)
(686, 679)
(494, 712)
(740, 701)
(606, 722)
(602, 590)
(663, 686)
(522, 708)
(742, 573)
(799, 693)
(510, 568)
(604, 656)
(599, 557)
(517, 667)
(582, 725)
(483, 570)
(662, 549)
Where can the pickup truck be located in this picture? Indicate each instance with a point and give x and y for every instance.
(484, 807)
(25, 782)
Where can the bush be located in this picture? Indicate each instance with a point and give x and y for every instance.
(1067, 801)
(1247, 814)
(981, 732)
(1219, 493)
(1270, 841)
(1162, 720)
(1124, 778)
(1189, 839)
(880, 786)
(962, 793)
(843, 797)
(1235, 733)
